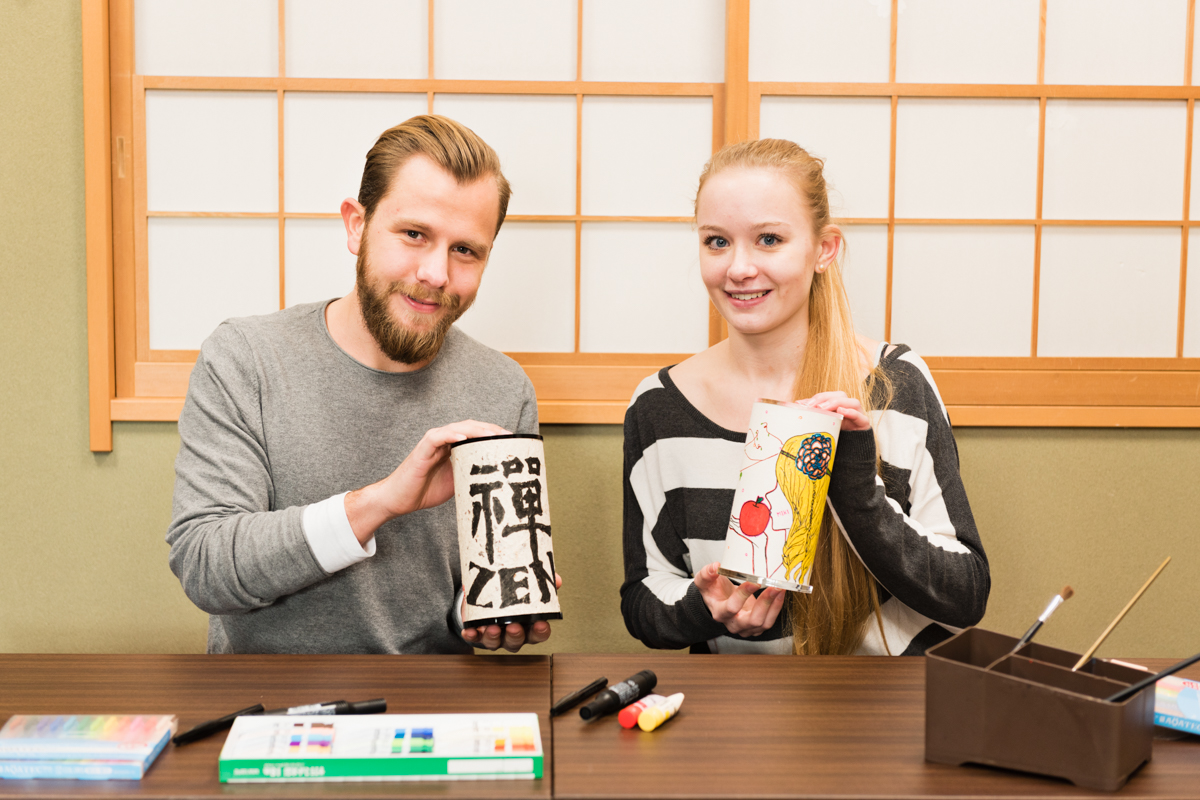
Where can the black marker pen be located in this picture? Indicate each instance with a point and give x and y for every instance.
(206, 729)
(568, 702)
(620, 695)
(336, 707)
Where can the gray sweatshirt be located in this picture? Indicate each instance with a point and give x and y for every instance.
(278, 417)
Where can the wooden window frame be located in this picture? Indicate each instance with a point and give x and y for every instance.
(129, 381)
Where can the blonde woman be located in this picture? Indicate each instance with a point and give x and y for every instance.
(899, 564)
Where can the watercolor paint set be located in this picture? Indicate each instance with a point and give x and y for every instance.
(382, 747)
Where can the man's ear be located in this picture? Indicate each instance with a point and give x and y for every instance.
(354, 217)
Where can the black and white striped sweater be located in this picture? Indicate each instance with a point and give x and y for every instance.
(911, 525)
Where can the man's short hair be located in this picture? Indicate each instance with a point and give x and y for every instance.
(449, 144)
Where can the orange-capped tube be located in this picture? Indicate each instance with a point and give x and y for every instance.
(651, 718)
(630, 713)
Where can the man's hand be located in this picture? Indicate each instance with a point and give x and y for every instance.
(489, 636)
(423, 480)
(736, 607)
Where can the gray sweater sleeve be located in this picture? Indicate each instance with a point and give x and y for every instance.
(232, 550)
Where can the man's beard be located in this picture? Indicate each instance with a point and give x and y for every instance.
(398, 341)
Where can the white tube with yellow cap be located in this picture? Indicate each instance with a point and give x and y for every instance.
(651, 718)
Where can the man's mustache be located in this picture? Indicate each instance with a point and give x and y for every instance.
(424, 294)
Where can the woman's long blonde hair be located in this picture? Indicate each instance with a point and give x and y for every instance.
(832, 619)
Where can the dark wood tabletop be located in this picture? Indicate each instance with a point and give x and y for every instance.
(200, 688)
(780, 726)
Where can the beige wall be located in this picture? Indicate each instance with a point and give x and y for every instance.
(82, 559)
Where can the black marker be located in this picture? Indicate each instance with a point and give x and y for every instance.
(336, 707)
(622, 694)
(206, 729)
(1125, 694)
(568, 702)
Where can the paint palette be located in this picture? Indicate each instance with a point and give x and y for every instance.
(382, 747)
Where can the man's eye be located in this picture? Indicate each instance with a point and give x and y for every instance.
(412, 234)
(462, 250)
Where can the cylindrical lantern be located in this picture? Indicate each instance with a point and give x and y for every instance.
(504, 530)
(780, 497)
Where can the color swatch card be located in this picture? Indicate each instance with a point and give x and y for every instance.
(1177, 704)
(382, 747)
(88, 747)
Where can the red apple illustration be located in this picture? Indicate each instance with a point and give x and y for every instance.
(754, 516)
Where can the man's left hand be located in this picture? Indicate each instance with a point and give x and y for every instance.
(510, 637)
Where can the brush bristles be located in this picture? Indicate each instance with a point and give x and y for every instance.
(1066, 593)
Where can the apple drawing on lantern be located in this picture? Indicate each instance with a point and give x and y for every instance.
(754, 516)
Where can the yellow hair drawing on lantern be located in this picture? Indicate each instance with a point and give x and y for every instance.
(802, 469)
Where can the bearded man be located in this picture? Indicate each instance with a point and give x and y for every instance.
(293, 526)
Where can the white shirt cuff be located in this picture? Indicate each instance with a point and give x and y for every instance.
(458, 599)
(328, 531)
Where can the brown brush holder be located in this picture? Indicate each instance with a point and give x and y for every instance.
(1029, 712)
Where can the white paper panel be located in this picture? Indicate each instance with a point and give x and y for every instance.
(865, 274)
(1113, 159)
(1194, 203)
(1109, 292)
(852, 135)
(973, 159)
(516, 40)
(963, 290)
(357, 39)
(527, 299)
(204, 271)
(641, 289)
(196, 37)
(967, 41)
(212, 151)
(317, 263)
(1114, 42)
(663, 40)
(1191, 318)
(643, 155)
(1195, 61)
(819, 40)
(534, 135)
(326, 137)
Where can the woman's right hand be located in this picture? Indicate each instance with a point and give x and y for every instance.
(736, 607)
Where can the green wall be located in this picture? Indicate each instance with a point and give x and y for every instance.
(83, 565)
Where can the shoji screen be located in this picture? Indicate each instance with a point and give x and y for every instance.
(249, 121)
(1014, 179)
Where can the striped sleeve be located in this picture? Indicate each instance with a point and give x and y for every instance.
(910, 523)
(659, 601)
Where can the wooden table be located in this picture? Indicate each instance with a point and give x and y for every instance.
(199, 688)
(752, 726)
(779, 726)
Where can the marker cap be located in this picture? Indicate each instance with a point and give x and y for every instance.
(628, 716)
(651, 718)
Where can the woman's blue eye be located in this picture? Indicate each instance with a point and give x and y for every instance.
(716, 241)
(770, 240)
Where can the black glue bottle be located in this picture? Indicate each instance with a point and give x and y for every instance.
(620, 695)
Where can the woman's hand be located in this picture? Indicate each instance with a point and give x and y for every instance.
(853, 416)
(736, 607)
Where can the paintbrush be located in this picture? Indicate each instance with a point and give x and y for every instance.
(1057, 601)
(1125, 694)
(1120, 617)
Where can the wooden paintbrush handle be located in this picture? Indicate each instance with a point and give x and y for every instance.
(1120, 617)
